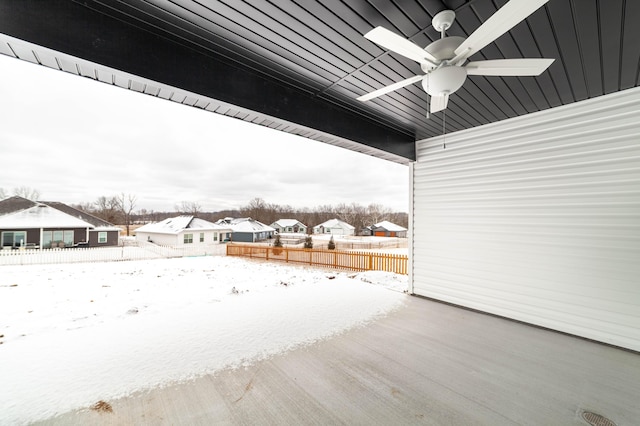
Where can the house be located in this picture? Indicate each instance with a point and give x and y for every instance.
(101, 228)
(49, 224)
(247, 230)
(385, 229)
(289, 226)
(183, 230)
(334, 227)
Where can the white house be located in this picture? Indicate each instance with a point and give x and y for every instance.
(183, 230)
(289, 226)
(334, 227)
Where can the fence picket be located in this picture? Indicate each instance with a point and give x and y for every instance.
(139, 251)
(338, 259)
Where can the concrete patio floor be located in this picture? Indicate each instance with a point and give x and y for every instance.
(427, 363)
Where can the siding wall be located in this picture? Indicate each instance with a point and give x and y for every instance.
(112, 238)
(536, 218)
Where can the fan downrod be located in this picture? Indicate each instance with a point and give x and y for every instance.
(443, 21)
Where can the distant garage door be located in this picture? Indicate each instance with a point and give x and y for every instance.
(536, 218)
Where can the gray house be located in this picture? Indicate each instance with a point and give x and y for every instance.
(247, 230)
(48, 224)
(385, 229)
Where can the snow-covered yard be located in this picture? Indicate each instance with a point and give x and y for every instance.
(75, 334)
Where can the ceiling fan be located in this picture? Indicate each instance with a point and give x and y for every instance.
(442, 60)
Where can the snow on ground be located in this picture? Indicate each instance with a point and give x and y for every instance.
(74, 334)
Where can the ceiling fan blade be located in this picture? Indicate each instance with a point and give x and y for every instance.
(390, 88)
(439, 103)
(507, 17)
(509, 67)
(392, 41)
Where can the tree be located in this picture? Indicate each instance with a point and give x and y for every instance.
(126, 204)
(332, 244)
(308, 242)
(254, 209)
(277, 244)
(376, 213)
(353, 214)
(3, 194)
(107, 208)
(26, 192)
(191, 208)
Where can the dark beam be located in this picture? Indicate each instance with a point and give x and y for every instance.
(77, 30)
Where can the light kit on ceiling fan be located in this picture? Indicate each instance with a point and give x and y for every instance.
(442, 60)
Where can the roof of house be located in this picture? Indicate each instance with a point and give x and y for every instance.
(95, 221)
(175, 225)
(14, 204)
(18, 212)
(389, 226)
(41, 216)
(283, 223)
(245, 224)
(335, 223)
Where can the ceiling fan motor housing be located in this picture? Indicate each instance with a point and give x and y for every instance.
(447, 79)
(442, 50)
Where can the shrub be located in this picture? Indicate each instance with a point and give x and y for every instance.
(308, 242)
(332, 244)
(277, 244)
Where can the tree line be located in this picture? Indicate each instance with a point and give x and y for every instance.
(121, 210)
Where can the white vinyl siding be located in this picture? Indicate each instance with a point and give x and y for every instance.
(536, 218)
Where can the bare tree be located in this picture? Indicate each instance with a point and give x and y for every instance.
(126, 204)
(26, 192)
(191, 208)
(353, 214)
(3, 194)
(254, 209)
(376, 213)
(107, 208)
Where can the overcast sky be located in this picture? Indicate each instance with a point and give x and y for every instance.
(74, 139)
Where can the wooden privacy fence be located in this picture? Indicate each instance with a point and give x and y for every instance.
(338, 259)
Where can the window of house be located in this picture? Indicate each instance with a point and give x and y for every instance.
(59, 238)
(188, 238)
(67, 238)
(102, 237)
(202, 237)
(14, 238)
(215, 236)
(46, 239)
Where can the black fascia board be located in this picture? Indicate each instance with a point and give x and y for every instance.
(74, 29)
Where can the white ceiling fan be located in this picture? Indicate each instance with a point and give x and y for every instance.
(442, 61)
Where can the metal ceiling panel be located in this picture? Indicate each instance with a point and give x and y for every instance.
(306, 62)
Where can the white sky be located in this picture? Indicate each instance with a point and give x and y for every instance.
(74, 139)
